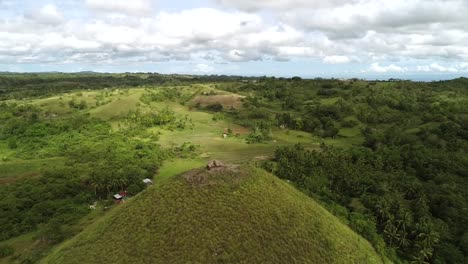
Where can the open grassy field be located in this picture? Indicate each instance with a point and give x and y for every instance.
(119, 106)
(207, 133)
(14, 170)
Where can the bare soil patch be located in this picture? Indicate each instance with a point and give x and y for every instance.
(228, 174)
(226, 101)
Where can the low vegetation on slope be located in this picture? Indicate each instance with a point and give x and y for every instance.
(226, 215)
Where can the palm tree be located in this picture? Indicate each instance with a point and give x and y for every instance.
(391, 232)
(96, 181)
(403, 224)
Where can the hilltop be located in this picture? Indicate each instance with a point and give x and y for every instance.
(224, 215)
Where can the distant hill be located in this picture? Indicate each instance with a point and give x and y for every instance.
(226, 215)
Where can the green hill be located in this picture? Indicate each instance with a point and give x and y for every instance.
(226, 215)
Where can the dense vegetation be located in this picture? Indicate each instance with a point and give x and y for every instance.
(89, 163)
(389, 158)
(19, 86)
(405, 180)
(229, 216)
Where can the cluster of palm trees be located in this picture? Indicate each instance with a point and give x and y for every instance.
(403, 233)
(104, 182)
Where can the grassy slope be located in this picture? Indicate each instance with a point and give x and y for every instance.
(19, 244)
(120, 105)
(254, 218)
(175, 167)
(14, 170)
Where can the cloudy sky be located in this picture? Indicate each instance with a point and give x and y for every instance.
(414, 39)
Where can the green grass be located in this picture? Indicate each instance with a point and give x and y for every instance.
(350, 132)
(120, 105)
(175, 167)
(56, 104)
(293, 137)
(5, 151)
(14, 170)
(19, 244)
(244, 216)
(344, 142)
(207, 134)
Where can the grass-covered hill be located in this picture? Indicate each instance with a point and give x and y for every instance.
(226, 215)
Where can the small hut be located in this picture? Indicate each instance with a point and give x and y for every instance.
(120, 197)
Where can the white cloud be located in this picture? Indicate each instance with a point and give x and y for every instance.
(129, 7)
(375, 67)
(434, 67)
(335, 59)
(204, 68)
(357, 15)
(205, 24)
(463, 66)
(48, 14)
(279, 5)
(168, 36)
(335, 32)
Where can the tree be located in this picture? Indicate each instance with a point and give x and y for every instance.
(51, 232)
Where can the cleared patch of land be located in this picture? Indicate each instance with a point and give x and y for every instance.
(227, 101)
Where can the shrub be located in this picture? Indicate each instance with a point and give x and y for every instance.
(12, 144)
(217, 116)
(349, 123)
(217, 107)
(135, 188)
(6, 250)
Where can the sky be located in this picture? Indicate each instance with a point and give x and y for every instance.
(373, 39)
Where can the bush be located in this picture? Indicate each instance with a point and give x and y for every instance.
(215, 107)
(135, 188)
(254, 137)
(217, 116)
(6, 250)
(259, 135)
(12, 144)
(51, 232)
(349, 123)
